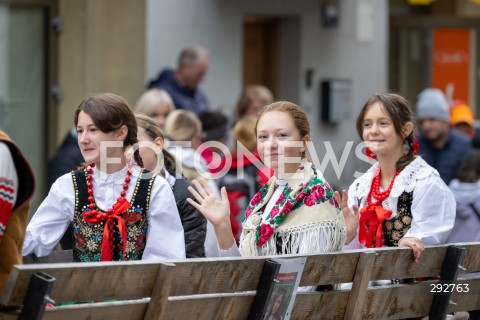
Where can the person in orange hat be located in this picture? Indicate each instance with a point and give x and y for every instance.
(462, 119)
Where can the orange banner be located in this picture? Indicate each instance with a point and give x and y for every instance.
(451, 61)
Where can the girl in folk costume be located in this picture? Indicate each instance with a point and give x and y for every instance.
(118, 213)
(157, 159)
(295, 212)
(402, 200)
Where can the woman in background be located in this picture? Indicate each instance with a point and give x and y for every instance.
(157, 104)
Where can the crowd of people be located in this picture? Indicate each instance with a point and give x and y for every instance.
(169, 195)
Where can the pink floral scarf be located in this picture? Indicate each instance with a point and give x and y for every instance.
(309, 193)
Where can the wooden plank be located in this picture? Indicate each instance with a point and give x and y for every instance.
(360, 284)
(118, 310)
(398, 263)
(221, 306)
(471, 261)
(221, 275)
(86, 281)
(230, 285)
(466, 301)
(397, 301)
(161, 289)
(329, 268)
(320, 305)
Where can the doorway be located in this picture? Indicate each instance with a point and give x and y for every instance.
(27, 61)
(271, 54)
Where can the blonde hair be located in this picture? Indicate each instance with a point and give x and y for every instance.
(183, 125)
(250, 93)
(152, 98)
(244, 132)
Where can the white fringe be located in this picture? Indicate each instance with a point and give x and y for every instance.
(320, 237)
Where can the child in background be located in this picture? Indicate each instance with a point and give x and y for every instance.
(157, 159)
(466, 189)
(184, 130)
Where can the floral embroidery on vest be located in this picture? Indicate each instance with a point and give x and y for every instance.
(88, 237)
(395, 228)
(314, 192)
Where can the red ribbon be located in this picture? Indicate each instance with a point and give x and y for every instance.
(371, 224)
(121, 206)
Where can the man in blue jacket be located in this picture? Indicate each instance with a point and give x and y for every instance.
(183, 83)
(440, 146)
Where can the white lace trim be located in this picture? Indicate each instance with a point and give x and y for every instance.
(406, 181)
(325, 236)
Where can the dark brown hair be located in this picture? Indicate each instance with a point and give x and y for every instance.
(153, 131)
(109, 112)
(470, 168)
(400, 112)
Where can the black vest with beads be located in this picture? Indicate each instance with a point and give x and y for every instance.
(395, 228)
(88, 237)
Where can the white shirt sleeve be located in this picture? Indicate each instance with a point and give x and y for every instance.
(433, 211)
(233, 251)
(165, 238)
(51, 219)
(352, 200)
(211, 242)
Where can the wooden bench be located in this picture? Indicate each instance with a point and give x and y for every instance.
(224, 288)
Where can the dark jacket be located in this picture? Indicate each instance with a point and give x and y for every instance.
(183, 98)
(194, 223)
(447, 160)
(68, 157)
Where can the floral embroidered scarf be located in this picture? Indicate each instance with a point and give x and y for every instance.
(310, 191)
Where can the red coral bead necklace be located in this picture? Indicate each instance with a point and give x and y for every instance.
(91, 198)
(375, 188)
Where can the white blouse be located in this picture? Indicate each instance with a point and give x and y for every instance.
(165, 239)
(433, 205)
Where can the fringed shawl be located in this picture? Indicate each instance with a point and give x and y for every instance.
(305, 219)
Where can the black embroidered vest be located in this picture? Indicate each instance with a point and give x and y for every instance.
(395, 228)
(88, 237)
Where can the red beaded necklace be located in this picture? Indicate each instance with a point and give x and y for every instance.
(114, 213)
(375, 188)
(91, 198)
